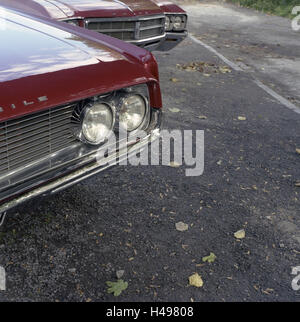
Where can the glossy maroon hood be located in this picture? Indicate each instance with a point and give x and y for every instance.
(89, 8)
(61, 9)
(64, 65)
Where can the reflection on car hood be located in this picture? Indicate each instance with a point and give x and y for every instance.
(39, 59)
(130, 7)
(45, 49)
(61, 9)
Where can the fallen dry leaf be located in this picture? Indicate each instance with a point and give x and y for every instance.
(240, 234)
(210, 259)
(116, 287)
(268, 291)
(202, 117)
(181, 226)
(200, 265)
(298, 151)
(174, 110)
(241, 118)
(224, 69)
(297, 184)
(196, 280)
(174, 164)
(174, 80)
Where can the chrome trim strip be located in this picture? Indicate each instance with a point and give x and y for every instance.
(89, 170)
(2, 218)
(120, 19)
(146, 40)
(151, 27)
(176, 13)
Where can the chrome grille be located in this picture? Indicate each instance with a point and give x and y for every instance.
(29, 138)
(134, 29)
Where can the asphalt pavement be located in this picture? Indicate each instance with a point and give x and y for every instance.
(66, 247)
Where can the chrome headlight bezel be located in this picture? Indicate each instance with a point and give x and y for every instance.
(168, 23)
(145, 119)
(173, 18)
(79, 116)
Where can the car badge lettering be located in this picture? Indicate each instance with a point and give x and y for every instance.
(40, 99)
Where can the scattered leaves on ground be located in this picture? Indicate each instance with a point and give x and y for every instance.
(210, 258)
(224, 69)
(174, 80)
(240, 234)
(116, 287)
(196, 280)
(181, 226)
(206, 68)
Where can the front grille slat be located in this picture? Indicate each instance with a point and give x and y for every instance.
(20, 136)
(31, 117)
(29, 138)
(43, 140)
(136, 29)
(35, 120)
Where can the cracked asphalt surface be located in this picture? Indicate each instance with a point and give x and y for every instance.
(66, 247)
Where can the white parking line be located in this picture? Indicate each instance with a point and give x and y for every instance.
(279, 98)
(234, 66)
(2, 279)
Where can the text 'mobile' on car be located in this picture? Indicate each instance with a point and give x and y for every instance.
(64, 90)
(151, 24)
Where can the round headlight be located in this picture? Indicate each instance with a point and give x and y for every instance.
(177, 23)
(132, 112)
(168, 26)
(97, 123)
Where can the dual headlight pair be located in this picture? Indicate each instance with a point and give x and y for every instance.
(98, 118)
(175, 22)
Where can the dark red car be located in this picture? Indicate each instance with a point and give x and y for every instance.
(152, 24)
(62, 91)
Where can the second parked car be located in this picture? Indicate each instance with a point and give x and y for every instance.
(151, 24)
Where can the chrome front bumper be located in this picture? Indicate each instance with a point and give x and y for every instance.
(89, 167)
(171, 40)
(165, 43)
